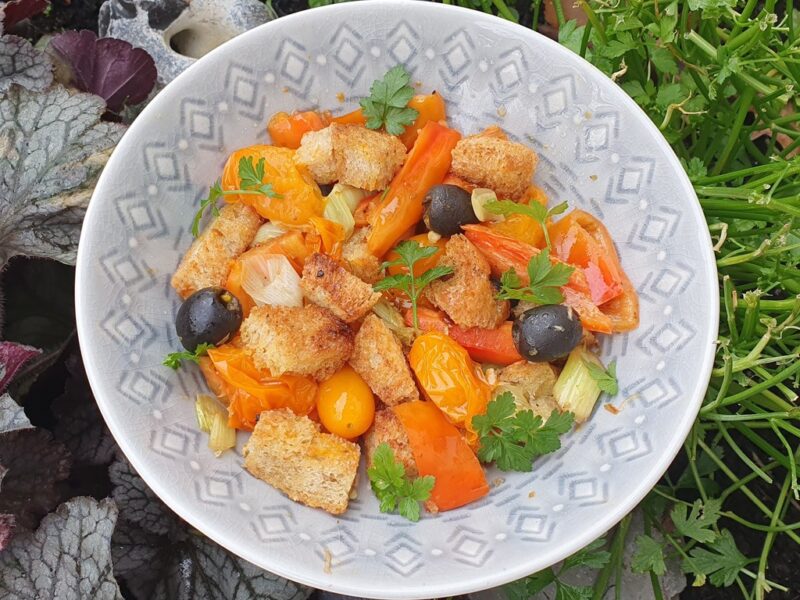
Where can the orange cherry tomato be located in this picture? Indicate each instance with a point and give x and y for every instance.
(439, 450)
(522, 227)
(448, 378)
(300, 196)
(426, 264)
(345, 404)
(287, 130)
(249, 391)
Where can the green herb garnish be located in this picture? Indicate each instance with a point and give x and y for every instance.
(512, 439)
(393, 488)
(533, 210)
(251, 176)
(387, 105)
(173, 360)
(545, 280)
(410, 252)
(606, 379)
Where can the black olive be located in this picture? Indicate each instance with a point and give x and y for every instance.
(449, 207)
(545, 333)
(209, 316)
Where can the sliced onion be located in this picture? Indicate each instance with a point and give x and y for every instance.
(352, 196)
(336, 210)
(271, 279)
(268, 231)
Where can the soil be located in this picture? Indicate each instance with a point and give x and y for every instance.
(785, 555)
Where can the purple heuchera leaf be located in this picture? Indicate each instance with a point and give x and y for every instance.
(107, 67)
(12, 358)
(15, 11)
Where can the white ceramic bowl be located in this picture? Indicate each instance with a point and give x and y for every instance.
(598, 151)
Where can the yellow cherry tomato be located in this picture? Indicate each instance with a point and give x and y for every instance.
(345, 404)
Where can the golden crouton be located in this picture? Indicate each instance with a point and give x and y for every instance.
(208, 260)
(361, 262)
(467, 296)
(500, 165)
(351, 154)
(304, 341)
(331, 286)
(293, 455)
(378, 357)
(532, 384)
(387, 429)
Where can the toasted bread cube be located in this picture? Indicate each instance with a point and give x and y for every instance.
(291, 454)
(331, 286)
(491, 162)
(534, 382)
(387, 429)
(378, 357)
(351, 154)
(467, 296)
(361, 262)
(303, 341)
(208, 260)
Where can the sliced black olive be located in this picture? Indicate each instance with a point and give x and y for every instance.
(546, 333)
(209, 316)
(449, 207)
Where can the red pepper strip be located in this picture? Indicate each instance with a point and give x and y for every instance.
(439, 450)
(401, 208)
(573, 244)
(494, 346)
(504, 253)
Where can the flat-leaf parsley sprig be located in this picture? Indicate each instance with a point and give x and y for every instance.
(545, 277)
(393, 488)
(173, 360)
(606, 379)
(387, 104)
(512, 439)
(251, 177)
(410, 252)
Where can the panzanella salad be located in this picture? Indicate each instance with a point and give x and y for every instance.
(379, 283)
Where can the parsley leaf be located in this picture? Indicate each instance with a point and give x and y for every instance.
(721, 563)
(649, 556)
(410, 252)
(393, 488)
(513, 439)
(387, 105)
(593, 556)
(606, 379)
(698, 522)
(173, 359)
(251, 177)
(545, 277)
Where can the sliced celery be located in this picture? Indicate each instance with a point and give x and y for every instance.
(575, 390)
(222, 437)
(394, 321)
(206, 408)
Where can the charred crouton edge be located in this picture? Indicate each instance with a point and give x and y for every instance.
(331, 286)
(361, 262)
(351, 154)
(293, 455)
(387, 429)
(208, 260)
(379, 359)
(467, 296)
(303, 341)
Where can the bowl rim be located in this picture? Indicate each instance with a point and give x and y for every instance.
(178, 501)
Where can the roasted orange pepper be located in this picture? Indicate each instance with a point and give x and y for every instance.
(352, 118)
(287, 130)
(448, 378)
(494, 346)
(250, 391)
(430, 108)
(301, 198)
(439, 450)
(522, 227)
(401, 207)
(327, 236)
(234, 285)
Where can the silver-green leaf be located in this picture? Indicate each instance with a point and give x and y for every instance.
(52, 149)
(23, 65)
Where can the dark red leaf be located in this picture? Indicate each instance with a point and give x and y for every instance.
(12, 357)
(107, 67)
(15, 11)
